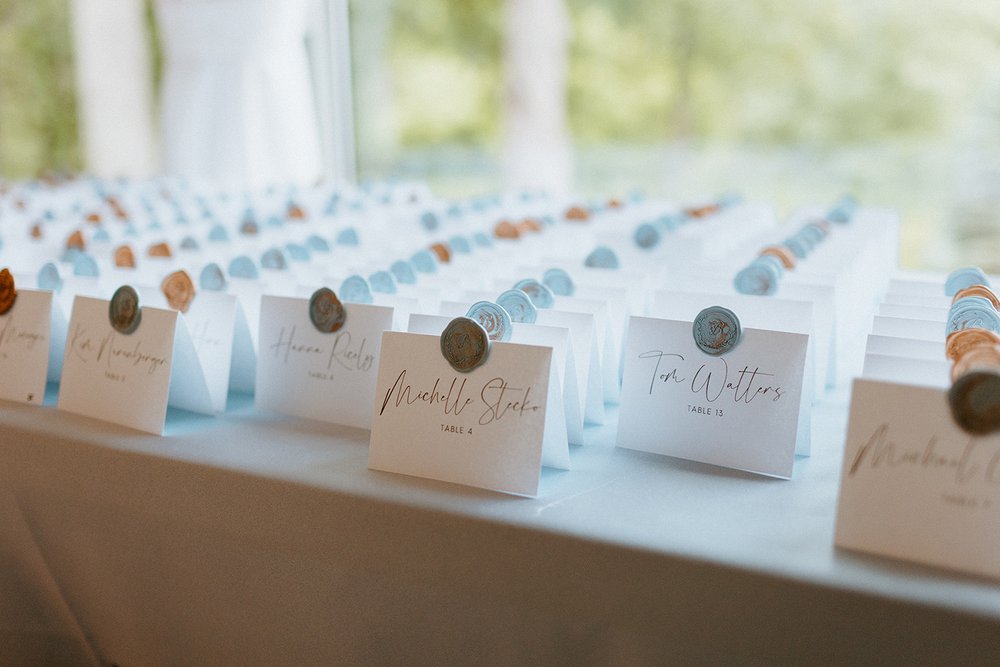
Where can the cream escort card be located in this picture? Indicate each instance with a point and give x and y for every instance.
(116, 377)
(304, 372)
(25, 335)
(483, 428)
(914, 485)
(741, 410)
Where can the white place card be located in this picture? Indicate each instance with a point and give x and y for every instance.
(914, 485)
(113, 377)
(484, 428)
(25, 336)
(323, 376)
(741, 410)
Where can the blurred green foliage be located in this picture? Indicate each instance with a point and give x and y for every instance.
(38, 123)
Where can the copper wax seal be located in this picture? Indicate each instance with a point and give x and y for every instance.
(160, 250)
(179, 290)
(124, 257)
(8, 293)
(505, 229)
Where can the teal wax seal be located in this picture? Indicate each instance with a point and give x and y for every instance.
(382, 282)
(49, 278)
(797, 246)
(297, 251)
(465, 344)
(482, 240)
(519, 306)
(972, 312)
(84, 265)
(843, 210)
(243, 267)
(212, 279)
(602, 257)
(460, 244)
(493, 318)
(716, 330)
(189, 243)
(101, 235)
(275, 259)
(403, 272)
(559, 282)
(124, 312)
(771, 260)
(218, 233)
(968, 276)
(424, 262)
(355, 289)
(317, 243)
(326, 312)
(975, 401)
(275, 221)
(348, 236)
(539, 294)
(646, 236)
(429, 220)
(759, 278)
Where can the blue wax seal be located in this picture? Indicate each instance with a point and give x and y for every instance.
(297, 251)
(973, 312)
(130, 230)
(539, 294)
(424, 262)
(967, 276)
(429, 221)
(347, 236)
(49, 278)
(494, 319)
(519, 306)
(772, 261)
(403, 272)
(218, 233)
(843, 210)
(812, 233)
(317, 243)
(274, 258)
(212, 278)
(101, 235)
(602, 257)
(760, 278)
(797, 246)
(49, 214)
(559, 282)
(275, 221)
(716, 330)
(671, 222)
(189, 243)
(243, 267)
(646, 236)
(482, 240)
(355, 289)
(382, 282)
(460, 244)
(85, 265)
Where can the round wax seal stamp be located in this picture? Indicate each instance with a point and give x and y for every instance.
(243, 267)
(442, 252)
(602, 257)
(493, 318)
(518, 305)
(646, 236)
(8, 292)
(123, 311)
(716, 330)
(977, 290)
(424, 262)
(505, 229)
(49, 278)
(85, 266)
(965, 277)
(782, 254)
(539, 294)
(348, 236)
(355, 289)
(212, 278)
(975, 401)
(465, 344)
(403, 272)
(759, 278)
(960, 342)
(326, 312)
(160, 250)
(972, 312)
(124, 257)
(382, 282)
(559, 282)
(179, 290)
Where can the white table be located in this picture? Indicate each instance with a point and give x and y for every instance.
(258, 539)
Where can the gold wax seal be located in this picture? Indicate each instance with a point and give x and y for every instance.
(978, 290)
(529, 225)
(505, 229)
(179, 290)
(442, 252)
(577, 213)
(8, 293)
(160, 250)
(124, 257)
(782, 253)
(75, 240)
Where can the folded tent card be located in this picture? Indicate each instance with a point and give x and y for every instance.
(26, 334)
(460, 407)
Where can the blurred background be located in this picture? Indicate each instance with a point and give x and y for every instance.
(788, 101)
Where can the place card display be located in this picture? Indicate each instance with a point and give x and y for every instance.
(123, 379)
(914, 485)
(485, 428)
(324, 376)
(25, 337)
(741, 410)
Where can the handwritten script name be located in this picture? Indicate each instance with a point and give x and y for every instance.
(342, 353)
(499, 399)
(712, 379)
(113, 350)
